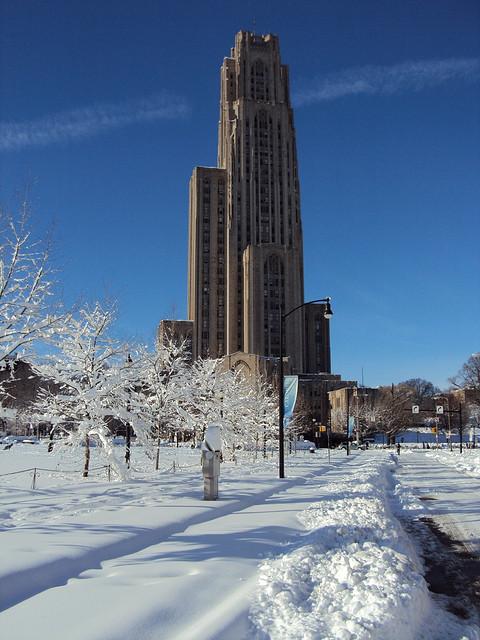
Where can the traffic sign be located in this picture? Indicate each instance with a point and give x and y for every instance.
(439, 409)
(415, 408)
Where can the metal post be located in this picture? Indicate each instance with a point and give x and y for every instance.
(461, 426)
(281, 454)
(281, 415)
(348, 421)
(357, 419)
(264, 439)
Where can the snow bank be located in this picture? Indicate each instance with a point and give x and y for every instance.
(354, 574)
(467, 462)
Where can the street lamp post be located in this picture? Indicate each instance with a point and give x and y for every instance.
(348, 421)
(128, 429)
(281, 409)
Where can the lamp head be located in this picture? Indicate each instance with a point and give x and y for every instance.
(328, 313)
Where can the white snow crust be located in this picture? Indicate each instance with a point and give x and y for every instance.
(467, 462)
(320, 554)
(355, 574)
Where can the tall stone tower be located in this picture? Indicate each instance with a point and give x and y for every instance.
(245, 232)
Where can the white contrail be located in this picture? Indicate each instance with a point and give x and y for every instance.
(88, 121)
(407, 76)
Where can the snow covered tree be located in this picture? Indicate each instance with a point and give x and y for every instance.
(246, 412)
(245, 407)
(263, 415)
(203, 391)
(25, 286)
(157, 382)
(91, 375)
(390, 413)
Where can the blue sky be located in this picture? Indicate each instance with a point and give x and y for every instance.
(107, 106)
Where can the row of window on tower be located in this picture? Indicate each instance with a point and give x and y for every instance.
(213, 211)
(264, 167)
(273, 303)
(259, 87)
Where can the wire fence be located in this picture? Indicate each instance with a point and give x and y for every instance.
(36, 472)
(173, 467)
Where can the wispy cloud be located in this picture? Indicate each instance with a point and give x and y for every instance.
(399, 78)
(89, 121)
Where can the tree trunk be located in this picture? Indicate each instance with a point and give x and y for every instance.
(128, 438)
(50, 444)
(157, 460)
(87, 457)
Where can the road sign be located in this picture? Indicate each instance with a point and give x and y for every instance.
(439, 409)
(415, 408)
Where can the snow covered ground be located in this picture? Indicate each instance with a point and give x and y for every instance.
(320, 554)
(467, 462)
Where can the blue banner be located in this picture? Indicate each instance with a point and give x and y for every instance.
(290, 390)
(351, 425)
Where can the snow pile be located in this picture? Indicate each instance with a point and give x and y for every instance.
(354, 574)
(467, 462)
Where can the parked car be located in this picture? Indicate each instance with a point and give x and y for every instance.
(353, 445)
(304, 444)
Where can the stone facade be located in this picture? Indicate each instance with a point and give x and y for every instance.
(245, 231)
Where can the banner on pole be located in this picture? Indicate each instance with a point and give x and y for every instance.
(351, 425)
(290, 391)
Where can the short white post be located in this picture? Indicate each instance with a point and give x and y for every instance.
(211, 456)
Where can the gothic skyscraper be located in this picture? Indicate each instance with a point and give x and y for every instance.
(245, 233)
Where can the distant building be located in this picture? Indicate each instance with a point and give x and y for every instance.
(313, 398)
(349, 399)
(467, 396)
(19, 387)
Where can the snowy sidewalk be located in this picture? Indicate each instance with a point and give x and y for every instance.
(450, 497)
